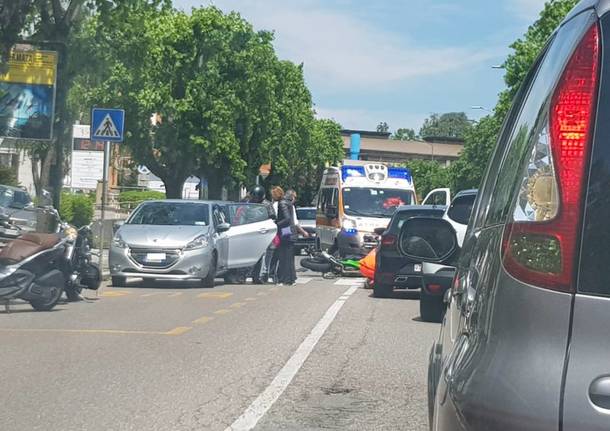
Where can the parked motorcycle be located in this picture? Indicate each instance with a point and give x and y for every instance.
(80, 271)
(39, 267)
(31, 269)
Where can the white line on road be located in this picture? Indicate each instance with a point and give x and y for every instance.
(350, 281)
(264, 401)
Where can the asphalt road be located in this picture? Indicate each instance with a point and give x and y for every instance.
(318, 355)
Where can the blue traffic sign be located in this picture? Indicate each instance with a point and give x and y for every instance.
(107, 124)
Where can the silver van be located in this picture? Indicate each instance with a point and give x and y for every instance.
(524, 343)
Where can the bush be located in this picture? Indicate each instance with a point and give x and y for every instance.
(131, 199)
(76, 209)
(8, 177)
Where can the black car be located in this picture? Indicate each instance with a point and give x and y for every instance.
(391, 269)
(307, 220)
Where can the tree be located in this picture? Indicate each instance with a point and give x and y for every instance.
(449, 125)
(225, 101)
(50, 24)
(468, 170)
(427, 175)
(405, 135)
(383, 127)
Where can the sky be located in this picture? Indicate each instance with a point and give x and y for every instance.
(396, 61)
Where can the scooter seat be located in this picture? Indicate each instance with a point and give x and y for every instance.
(26, 246)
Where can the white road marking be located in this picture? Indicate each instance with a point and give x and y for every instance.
(264, 401)
(350, 281)
(303, 280)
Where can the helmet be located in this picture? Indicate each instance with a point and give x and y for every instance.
(257, 194)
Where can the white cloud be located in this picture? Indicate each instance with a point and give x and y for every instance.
(343, 52)
(367, 119)
(527, 10)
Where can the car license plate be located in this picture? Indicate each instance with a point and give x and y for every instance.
(417, 267)
(155, 257)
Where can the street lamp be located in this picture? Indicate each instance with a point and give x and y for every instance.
(498, 66)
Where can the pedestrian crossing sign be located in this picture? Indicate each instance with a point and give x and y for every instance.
(107, 124)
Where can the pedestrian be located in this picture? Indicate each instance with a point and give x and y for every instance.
(286, 272)
(258, 196)
(271, 257)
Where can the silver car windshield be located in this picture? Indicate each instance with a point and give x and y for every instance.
(171, 214)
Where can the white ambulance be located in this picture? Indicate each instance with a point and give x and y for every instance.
(357, 198)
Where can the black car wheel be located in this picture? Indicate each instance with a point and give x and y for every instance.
(431, 307)
(119, 281)
(208, 281)
(382, 290)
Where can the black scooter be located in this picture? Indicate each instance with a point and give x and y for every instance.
(80, 271)
(31, 269)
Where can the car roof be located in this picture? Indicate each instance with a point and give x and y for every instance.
(13, 188)
(466, 192)
(601, 7)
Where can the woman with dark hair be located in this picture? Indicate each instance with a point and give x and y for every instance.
(286, 272)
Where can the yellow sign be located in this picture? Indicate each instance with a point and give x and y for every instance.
(31, 67)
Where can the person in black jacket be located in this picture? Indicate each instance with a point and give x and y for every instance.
(286, 272)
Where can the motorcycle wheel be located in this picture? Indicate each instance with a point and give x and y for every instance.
(73, 293)
(41, 305)
(316, 264)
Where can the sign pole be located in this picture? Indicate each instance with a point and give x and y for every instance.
(104, 200)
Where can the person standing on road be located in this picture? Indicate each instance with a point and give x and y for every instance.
(286, 272)
(271, 257)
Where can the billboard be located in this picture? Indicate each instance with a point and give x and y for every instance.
(87, 167)
(27, 95)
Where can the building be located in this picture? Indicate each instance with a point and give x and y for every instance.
(377, 146)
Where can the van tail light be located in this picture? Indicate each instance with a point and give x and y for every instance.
(388, 241)
(540, 245)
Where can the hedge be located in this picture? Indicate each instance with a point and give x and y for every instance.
(131, 199)
(77, 209)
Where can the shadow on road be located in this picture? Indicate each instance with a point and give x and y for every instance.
(412, 295)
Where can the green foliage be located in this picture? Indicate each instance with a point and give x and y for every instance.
(226, 103)
(131, 199)
(448, 125)
(427, 175)
(468, 171)
(8, 177)
(77, 209)
(383, 127)
(404, 134)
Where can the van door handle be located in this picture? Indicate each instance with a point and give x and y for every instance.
(599, 392)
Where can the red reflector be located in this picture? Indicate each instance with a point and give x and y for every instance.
(388, 240)
(544, 253)
(434, 288)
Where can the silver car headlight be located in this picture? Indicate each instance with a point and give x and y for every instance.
(199, 242)
(118, 242)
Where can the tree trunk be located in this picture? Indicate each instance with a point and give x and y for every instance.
(215, 183)
(173, 187)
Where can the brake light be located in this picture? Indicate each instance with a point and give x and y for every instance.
(542, 249)
(388, 241)
(434, 288)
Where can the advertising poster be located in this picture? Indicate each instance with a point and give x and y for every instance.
(87, 167)
(27, 95)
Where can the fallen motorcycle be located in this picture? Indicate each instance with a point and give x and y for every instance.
(330, 266)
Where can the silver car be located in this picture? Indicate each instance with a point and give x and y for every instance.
(182, 240)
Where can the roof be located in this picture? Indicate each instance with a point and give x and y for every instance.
(366, 133)
(466, 192)
(420, 148)
(601, 6)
